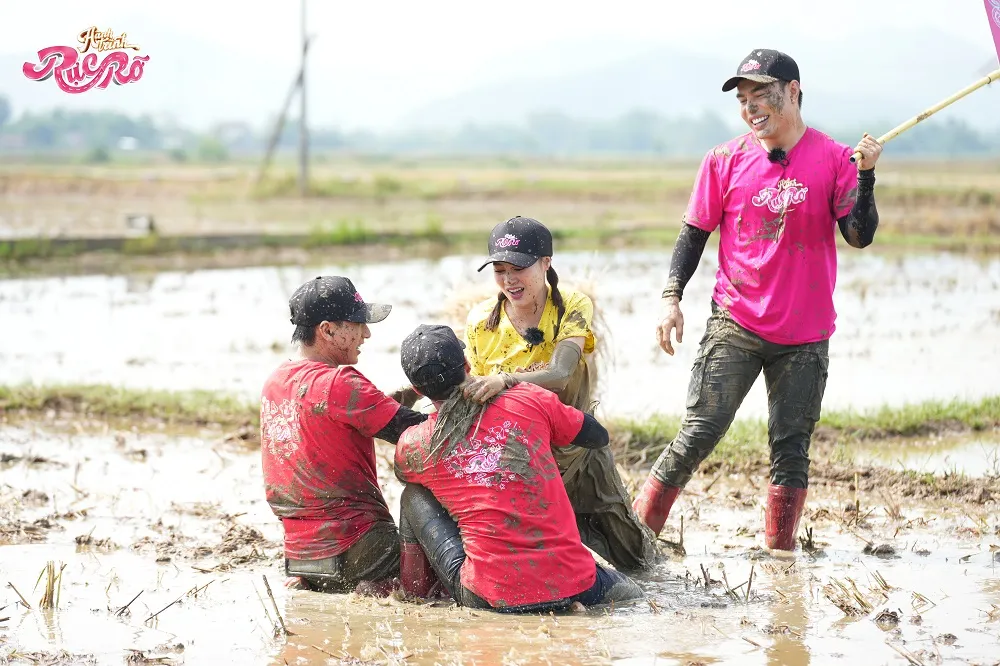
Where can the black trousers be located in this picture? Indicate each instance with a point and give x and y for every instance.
(730, 358)
(424, 520)
(375, 557)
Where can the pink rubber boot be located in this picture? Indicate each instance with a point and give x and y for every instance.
(781, 520)
(653, 503)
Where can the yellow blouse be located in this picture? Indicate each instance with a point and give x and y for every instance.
(490, 352)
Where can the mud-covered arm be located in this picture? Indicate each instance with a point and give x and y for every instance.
(688, 249)
(557, 374)
(400, 421)
(592, 434)
(858, 226)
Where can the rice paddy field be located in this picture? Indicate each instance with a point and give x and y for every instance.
(133, 527)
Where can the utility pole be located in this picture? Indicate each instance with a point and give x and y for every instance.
(303, 129)
(299, 86)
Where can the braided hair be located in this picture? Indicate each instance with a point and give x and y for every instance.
(533, 335)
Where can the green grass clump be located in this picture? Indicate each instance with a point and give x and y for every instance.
(182, 407)
(344, 232)
(636, 442)
(640, 441)
(916, 419)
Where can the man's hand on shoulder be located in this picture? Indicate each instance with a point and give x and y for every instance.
(405, 395)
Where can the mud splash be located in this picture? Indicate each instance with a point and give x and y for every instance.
(884, 351)
(165, 537)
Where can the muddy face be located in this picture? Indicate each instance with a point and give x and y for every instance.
(765, 107)
(344, 340)
(522, 286)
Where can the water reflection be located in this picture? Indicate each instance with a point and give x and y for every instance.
(976, 456)
(790, 622)
(227, 329)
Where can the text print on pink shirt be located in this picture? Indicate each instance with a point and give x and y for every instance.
(777, 199)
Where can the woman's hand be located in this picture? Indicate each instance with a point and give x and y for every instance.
(481, 389)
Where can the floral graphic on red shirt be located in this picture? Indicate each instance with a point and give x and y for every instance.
(480, 460)
(279, 426)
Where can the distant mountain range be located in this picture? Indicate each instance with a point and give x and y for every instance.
(877, 88)
(874, 86)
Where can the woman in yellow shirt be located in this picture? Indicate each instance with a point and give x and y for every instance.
(534, 332)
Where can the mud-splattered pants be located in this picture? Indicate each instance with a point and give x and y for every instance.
(729, 360)
(374, 558)
(423, 520)
(604, 516)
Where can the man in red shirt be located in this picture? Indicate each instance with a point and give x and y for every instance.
(489, 468)
(318, 420)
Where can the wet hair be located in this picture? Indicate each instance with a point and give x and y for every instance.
(305, 335)
(533, 336)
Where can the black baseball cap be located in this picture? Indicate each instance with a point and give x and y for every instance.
(764, 66)
(332, 298)
(520, 241)
(433, 358)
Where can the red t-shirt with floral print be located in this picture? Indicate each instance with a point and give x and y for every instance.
(317, 424)
(503, 488)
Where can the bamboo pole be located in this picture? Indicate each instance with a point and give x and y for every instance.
(892, 134)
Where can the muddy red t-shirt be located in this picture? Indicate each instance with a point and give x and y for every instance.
(503, 488)
(316, 432)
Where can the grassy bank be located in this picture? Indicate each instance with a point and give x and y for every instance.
(41, 256)
(78, 216)
(639, 442)
(106, 402)
(636, 442)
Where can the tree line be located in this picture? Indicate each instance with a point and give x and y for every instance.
(103, 135)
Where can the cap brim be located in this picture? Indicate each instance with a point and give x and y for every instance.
(371, 313)
(757, 78)
(519, 259)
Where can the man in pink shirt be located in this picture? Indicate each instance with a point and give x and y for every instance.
(777, 195)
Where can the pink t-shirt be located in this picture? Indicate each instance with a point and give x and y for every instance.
(777, 227)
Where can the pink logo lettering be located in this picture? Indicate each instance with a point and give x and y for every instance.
(508, 240)
(779, 198)
(480, 461)
(357, 298)
(750, 65)
(74, 74)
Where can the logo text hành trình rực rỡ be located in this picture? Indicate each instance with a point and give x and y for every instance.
(79, 69)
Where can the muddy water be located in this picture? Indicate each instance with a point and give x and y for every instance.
(185, 513)
(910, 328)
(976, 456)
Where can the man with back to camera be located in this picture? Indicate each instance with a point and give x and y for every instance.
(777, 194)
(484, 510)
(318, 420)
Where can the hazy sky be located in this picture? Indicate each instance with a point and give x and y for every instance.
(380, 59)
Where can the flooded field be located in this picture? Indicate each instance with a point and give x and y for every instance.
(975, 456)
(911, 327)
(161, 542)
(166, 541)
